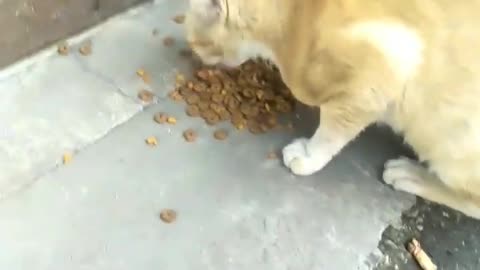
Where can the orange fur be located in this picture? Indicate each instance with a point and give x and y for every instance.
(413, 64)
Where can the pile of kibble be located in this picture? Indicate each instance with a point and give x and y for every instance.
(252, 96)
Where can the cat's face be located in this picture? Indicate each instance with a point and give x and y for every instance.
(216, 37)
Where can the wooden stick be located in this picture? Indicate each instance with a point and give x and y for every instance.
(420, 256)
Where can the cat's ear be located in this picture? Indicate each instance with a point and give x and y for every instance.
(207, 10)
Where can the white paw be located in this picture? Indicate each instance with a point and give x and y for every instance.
(406, 175)
(299, 160)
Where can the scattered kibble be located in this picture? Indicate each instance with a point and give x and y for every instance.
(152, 141)
(144, 75)
(86, 49)
(160, 118)
(272, 155)
(179, 19)
(171, 120)
(168, 215)
(168, 41)
(220, 134)
(67, 158)
(251, 97)
(190, 135)
(145, 96)
(62, 48)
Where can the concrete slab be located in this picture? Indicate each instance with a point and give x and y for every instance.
(237, 210)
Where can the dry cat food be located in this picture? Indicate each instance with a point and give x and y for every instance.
(190, 135)
(220, 134)
(67, 158)
(171, 120)
(86, 49)
(179, 19)
(152, 141)
(175, 96)
(168, 41)
(144, 75)
(250, 97)
(272, 155)
(145, 96)
(62, 48)
(168, 215)
(160, 118)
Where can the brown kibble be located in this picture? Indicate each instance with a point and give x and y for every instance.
(145, 96)
(168, 215)
(220, 134)
(193, 111)
(217, 98)
(203, 106)
(86, 49)
(272, 155)
(160, 118)
(254, 127)
(179, 19)
(212, 119)
(190, 135)
(168, 41)
(144, 75)
(67, 158)
(192, 99)
(199, 87)
(62, 48)
(179, 79)
(171, 120)
(203, 74)
(252, 96)
(152, 141)
(141, 72)
(175, 95)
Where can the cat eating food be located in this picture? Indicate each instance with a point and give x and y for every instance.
(411, 64)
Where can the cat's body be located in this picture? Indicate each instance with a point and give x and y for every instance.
(413, 64)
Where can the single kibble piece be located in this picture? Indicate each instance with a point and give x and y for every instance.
(175, 96)
(193, 111)
(145, 96)
(144, 75)
(272, 155)
(190, 135)
(62, 48)
(155, 32)
(152, 141)
(179, 19)
(168, 215)
(67, 158)
(160, 118)
(171, 120)
(141, 72)
(220, 134)
(86, 49)
(168, 41)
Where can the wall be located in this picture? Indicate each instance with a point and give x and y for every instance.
(29, 25)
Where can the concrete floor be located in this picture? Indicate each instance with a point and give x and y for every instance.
(236, 209)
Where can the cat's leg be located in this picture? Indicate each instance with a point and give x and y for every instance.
(340, 122)
(408, 175)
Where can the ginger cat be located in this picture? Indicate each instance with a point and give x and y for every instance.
(413, 64)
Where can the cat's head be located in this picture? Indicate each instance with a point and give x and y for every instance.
(219, 35)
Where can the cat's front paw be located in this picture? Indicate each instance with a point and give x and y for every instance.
(299, 160)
